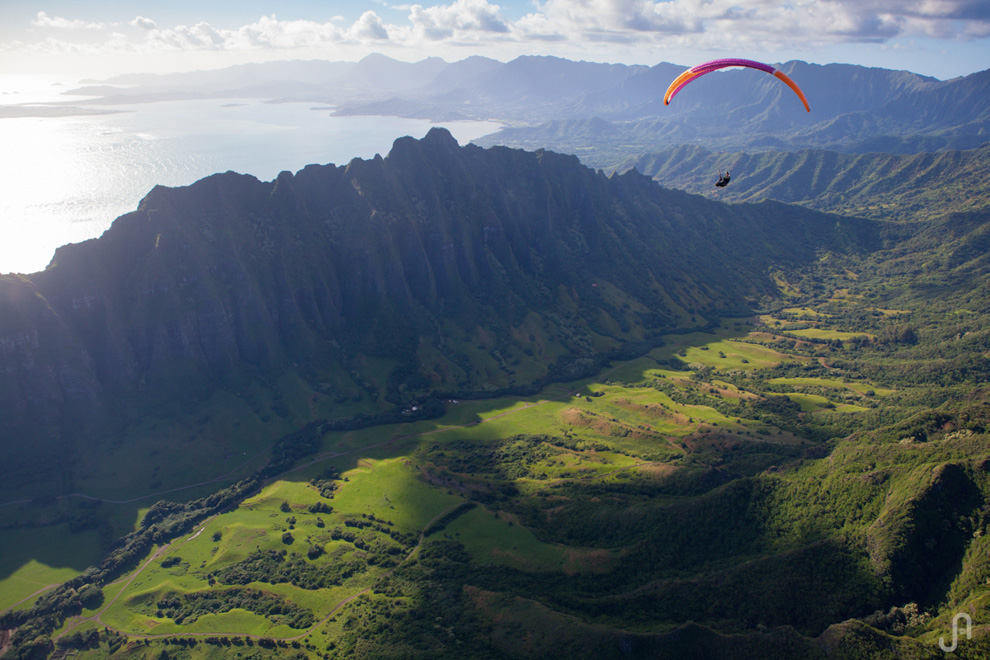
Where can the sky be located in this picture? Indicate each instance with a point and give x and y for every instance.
(101, 38)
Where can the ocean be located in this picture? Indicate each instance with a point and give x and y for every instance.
(65, 179)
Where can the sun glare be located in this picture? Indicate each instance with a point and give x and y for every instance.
(43, 163)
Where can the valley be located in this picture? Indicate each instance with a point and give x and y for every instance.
(518, 524)
(477, 402)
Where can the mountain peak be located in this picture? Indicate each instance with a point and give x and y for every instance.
(439, 135)
(437, 141)
(377, 58)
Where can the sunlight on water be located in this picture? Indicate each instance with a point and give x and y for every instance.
(18, 88)
(66, 178)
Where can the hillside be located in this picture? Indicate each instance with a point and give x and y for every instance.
(810, 482)
(876, 185)
(437, 269)
(486, 403)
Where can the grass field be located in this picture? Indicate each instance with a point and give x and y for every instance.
(379, 480)
(22, 588)
(497, 540)
(390, 490)
(809, 402)
(826, 333)
(37, 557)
(641, 421)
(722, 349)
(856, 386)
(805, 312)
(393, 490)
(637, 422)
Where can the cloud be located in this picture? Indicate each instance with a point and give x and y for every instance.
(201, 36)
(634, 18)
(269, 32)
(143, 23)
(767, 24)
(738, 25)
(461, 18)
(43, 20)
(368, 28)
(882, 20)
(965, 19)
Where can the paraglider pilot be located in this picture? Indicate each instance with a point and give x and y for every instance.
(723, 179)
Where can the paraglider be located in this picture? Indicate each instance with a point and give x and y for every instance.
(696, 72)
(699, 70)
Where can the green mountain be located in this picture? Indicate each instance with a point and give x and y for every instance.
(620, 467)
(437, 269)
(808, 483)
(876, 185)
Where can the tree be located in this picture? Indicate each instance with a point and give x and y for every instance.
(91, 596)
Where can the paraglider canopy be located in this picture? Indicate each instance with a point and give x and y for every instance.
(696, 72)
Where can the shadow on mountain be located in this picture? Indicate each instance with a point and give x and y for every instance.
(332, 313)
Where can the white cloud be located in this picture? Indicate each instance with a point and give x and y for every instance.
(143, 23)
(885, 19)
(266, 33)
(368, 28)
(458, 19)
(269, 32)
(726, 25)
(183, 37)
(43, 20)
(620, 16)
(770, 23)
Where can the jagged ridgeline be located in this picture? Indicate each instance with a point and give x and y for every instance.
(876, 185)
(439, 268)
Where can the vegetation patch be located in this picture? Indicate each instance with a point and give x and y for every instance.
(683, 498)
(186, 608)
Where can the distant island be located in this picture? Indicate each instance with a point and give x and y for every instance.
(51, 110)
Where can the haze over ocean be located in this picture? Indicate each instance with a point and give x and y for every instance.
(65, 179)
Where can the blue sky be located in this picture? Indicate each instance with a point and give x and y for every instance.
(942, 38)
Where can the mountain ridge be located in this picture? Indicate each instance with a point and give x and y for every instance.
(456, 266)
(855, 109)
(900, 187)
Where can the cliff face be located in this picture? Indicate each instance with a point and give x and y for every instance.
(386, 257)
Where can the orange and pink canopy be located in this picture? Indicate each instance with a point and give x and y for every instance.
(696, 72)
